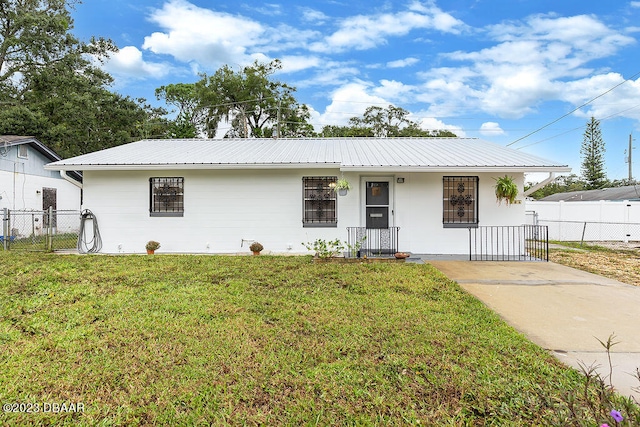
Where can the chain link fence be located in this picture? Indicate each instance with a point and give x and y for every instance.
(48, 230)
(591, 231)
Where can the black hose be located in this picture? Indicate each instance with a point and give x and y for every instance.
(96, 240)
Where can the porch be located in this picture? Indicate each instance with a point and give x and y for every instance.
(486, 243)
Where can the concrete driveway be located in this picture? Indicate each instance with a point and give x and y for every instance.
(561, 309)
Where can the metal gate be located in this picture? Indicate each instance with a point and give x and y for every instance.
(509, 243)
(45, 230)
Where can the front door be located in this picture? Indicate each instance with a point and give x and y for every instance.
(377, 204)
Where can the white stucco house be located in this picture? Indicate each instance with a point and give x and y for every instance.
(26, 185)
(217, 196)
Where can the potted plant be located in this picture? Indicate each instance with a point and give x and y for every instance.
(506, 189)
(151, 246)
(256, 248)
(342, 186)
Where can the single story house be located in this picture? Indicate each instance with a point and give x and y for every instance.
(219, 195)
(619, 194)
(24, 182)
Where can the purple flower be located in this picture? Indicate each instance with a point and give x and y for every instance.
(616, 415)
(604, 425)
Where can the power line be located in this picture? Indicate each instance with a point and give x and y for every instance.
(578, 128)
(573, 111)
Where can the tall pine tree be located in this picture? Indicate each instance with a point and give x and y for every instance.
(592, 152)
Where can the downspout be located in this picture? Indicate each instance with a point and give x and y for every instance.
(64, 175)
(548, 180)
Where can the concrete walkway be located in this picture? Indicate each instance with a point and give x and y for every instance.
(561, 309)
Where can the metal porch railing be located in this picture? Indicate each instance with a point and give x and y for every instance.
(372, 241)
(509, 243)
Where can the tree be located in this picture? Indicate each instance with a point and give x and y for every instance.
(331, 131)
(251, 101)
(592, 151)
(51, 88)
(562, 184)
(34, 35)
(382, 122)
(191, 114)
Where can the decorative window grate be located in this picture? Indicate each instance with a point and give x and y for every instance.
(166, 196)
(460, 201)
(319, 201)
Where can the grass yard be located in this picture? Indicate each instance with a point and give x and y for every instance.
(200, 340)
(621, 264)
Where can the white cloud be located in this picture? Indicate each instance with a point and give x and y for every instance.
(331, 75)
(529, 65)
(623, 101)
(368, 31)
(393, 90)
(491, 129)
(211, 38)
(128, 63)
(635, 4)
(313, 16)
(291, 64)
(431, 123)
(401, 63)
(348, 101)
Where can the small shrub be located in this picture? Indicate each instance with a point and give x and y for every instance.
(256, 247)
(152, 245)
(325, 249)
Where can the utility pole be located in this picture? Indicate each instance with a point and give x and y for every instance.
(629, 158)
(279, 117)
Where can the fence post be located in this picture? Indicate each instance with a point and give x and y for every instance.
(5, 229)
(50, 230)
(584, 229)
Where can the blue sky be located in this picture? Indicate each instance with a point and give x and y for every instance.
(492, 69)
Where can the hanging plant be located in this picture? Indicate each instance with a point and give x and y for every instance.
(342, 186)
(506, 189)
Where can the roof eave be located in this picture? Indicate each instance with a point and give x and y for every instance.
(187, 166)
(462, 169)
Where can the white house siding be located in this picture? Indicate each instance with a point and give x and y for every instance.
(419, 212)
(23, 191)
(224, 209)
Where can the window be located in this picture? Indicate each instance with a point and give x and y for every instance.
(460, 201)
(319, 205)
(166, 196)
(23, 151)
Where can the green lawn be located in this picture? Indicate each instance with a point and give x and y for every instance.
(199, 340)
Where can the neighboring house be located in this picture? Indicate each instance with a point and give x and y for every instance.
(629, 192)
(218, 196)
(26, 185)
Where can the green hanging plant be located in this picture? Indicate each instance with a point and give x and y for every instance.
(342, 186)
(506, 189)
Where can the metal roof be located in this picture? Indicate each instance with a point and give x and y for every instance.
(630, 192)
(15, 140)
(406, 154)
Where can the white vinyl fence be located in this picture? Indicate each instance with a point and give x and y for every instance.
(615, 221)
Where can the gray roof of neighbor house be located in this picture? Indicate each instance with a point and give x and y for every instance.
(630, 192)
(11, 140)
(14, 140)
(406, 154)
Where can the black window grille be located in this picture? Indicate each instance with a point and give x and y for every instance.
(460, 201)
(319, 201)
(166, 196)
